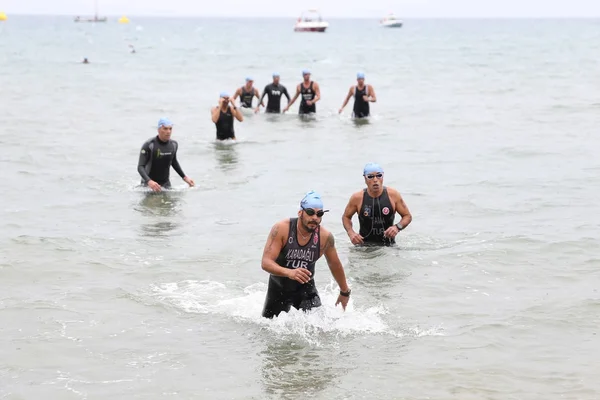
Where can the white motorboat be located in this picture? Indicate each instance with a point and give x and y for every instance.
(390, 21)
(311, 21)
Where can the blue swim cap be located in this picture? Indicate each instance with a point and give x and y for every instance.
(224, 94)
(275, 74)
(312, 199)
(249, 78)
(360, 75)
(164, 122)
(305, 72)
(372, 168)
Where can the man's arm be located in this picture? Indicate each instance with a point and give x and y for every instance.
(286, 94)
(257, 93)
(236, 112)
(273, 247)
(351, 209)
(263, 96)
(143, 161)
(334, 263)
(402, 209)
(176, 166)
(294, 98)
(347, 98)
(215, 112)
(237, 93)
(317, 93)
(371, 94)
(271, 251)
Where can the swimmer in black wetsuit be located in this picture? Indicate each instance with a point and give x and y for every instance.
(292, 249)
(274, 90)
(157, 156)
(222, 116)
(311, 93)
(376, 206)
(363, 95)
(246, 94)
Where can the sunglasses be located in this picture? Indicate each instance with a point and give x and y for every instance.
(371, 176)
(310, 212)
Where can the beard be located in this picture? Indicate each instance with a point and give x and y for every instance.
(310, 226)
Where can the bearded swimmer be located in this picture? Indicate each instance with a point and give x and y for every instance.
(376, 206)
(363, 95)
(157, 156)
(246, 93)
(290, 254)
(311, 93)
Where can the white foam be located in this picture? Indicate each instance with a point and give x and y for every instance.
(209, 297)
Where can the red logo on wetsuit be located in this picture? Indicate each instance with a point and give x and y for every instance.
(385, 211)
(316, 238)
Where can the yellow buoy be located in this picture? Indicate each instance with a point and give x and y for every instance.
(3, 16)
(123, 20)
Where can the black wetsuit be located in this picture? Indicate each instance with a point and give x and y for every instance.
(274, 92)
(375, 216)
(361, 107)
(225, 125)
(246, 98)
(307, 94)
(156, 159)
(282, 292)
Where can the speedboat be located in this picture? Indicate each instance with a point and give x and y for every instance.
(311, 21)
(390, 21)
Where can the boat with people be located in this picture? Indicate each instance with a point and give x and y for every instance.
(311, 21)
(390, 21)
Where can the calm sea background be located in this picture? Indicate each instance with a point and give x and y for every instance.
(489, 129)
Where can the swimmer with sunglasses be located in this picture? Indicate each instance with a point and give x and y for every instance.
(376, 207)
(290, 255)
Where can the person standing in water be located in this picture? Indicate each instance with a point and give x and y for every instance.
(157, 156)
(274, 90)
(363, 95)
(311, 93)
(376, 206)
(290, 254)
(246, 93)
(222, 116)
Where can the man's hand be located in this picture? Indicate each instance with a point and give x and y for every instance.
(154, 186)
(301, 275)
(343, 300)
(189, 181)
(391, 232)
(355, 238)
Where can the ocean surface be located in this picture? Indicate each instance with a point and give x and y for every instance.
(488, 128)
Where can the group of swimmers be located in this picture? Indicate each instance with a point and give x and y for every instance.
(224, 114)
(295, 244)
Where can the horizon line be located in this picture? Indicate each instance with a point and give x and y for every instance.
(214, 16)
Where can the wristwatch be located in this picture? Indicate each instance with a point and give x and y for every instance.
(346, 294)
(400, 227)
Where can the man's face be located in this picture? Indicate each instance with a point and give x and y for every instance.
(374, 181)
(164, 132)
(311, 218)
(306, 77)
